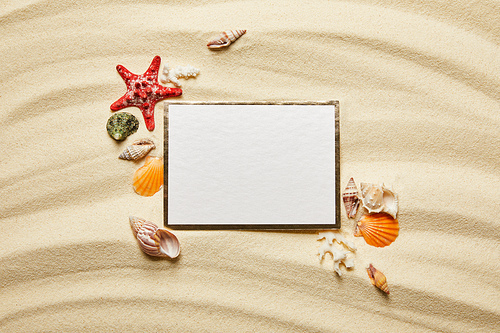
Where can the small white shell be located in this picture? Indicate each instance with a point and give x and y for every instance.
(225, 39)
(378, 198)
(390, 202)
(137, 150)
(372, 197)
(154, 241)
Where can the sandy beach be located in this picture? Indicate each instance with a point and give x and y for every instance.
(419, 91)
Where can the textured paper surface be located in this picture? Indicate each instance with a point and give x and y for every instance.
(251, 165)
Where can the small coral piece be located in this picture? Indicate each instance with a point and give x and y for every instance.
(120, 125)
(339, 255)
(173, 75)
(144, 91)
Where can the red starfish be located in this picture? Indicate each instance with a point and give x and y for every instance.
(144, 91)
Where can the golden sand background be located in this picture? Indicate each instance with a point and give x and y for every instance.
(419, 90)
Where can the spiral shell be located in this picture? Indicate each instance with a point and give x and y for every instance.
(154, 241)
(390, 202)
(377, 278)
(378, 230)
(225, 39)
(351, 198)
(137, 150)
(148, 179)
(372, 197)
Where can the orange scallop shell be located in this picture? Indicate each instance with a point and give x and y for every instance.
(148, 179)
(377, 278)
(379, 229)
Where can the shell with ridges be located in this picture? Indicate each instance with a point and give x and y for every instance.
(148, 179)
(137, 150)
(225, 39)
(378, 230)
(154, 241)
(351, 198)
(377, 278)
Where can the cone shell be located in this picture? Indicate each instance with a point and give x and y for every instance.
(148, 179)
(225, 39)
(378, 230)
(351, 198)
(372, 197)
(137, 150)
(154, 241)
(377, 278)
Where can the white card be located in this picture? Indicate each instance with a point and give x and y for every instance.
(251, 166)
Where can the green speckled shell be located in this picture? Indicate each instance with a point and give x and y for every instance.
(120, 125)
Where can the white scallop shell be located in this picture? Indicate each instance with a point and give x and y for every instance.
(137, 150)
(154, 241)
(225, 39)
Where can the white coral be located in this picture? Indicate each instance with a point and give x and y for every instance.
(339, 255)
(173, 75)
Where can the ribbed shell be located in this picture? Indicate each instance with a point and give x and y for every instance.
(137, 150)
(154, 241)
(373, 197)
(377, 278)
(148, 179)
(379, 229)
(351, 198)
(225, 39)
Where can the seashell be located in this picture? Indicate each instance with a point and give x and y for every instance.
(390, 202)
(120, 125)
(225, 39)
(377, 278)
(137, 150)
(157, 242)
(372, 197)
(148, 179)
(379, 229)
(351, 198)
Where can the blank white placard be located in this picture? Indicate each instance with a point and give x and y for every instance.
(251, 165)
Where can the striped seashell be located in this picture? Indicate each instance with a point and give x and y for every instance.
(351, 198)
(154, 241)
(225, 39)
(148, 179)
(377, 278)
(378, 230)
(137, 150)
(372, 197)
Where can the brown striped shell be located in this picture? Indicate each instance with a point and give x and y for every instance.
(351, 198)
(225, 39)
(154, 241)
(377, 278)
(137, 150)
(378, 230)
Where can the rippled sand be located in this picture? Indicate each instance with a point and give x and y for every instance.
(419, 90)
